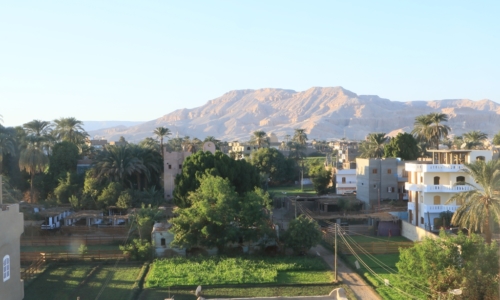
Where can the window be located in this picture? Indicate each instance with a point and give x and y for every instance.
(170, 166)
(162, 242)
(343, 179)
(437, 200)
(389, 171)
(374, 171)
(436, 180)
(6, 268)
(180, 167)
(480, 158)
(460, 180)
(422, 220)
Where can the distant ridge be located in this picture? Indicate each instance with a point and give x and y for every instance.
(325, 112)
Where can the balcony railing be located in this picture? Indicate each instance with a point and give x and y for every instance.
(439, 208)
(437, 188)
(412, 167)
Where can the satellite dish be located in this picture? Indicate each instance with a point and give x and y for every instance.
(198, 291)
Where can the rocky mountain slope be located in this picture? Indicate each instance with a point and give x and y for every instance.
(326, 113)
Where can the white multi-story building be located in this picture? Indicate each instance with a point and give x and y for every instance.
(345, 181)
(432, 183)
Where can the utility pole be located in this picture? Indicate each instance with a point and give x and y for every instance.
(335, 258)
(296, 206)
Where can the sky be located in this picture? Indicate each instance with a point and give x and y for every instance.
(139, 60)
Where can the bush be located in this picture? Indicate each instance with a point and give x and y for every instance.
(138, 250)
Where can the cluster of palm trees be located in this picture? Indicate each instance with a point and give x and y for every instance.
(373, 146)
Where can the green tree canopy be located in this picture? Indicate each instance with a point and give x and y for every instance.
(260, 139)
(373, 146)
(273, 163)
(302, 234)
(241, 174)
(451, 262)
(404, 146)
(219, 215)
(321, 178)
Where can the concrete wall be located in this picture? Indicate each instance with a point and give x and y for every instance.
(415, 233)
(12, 226)
(374, 178)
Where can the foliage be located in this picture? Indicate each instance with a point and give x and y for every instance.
(124, 200)
(223, 270)
(109, 195)
(453, 262)
(428, 128)
(67, 187)
(83, 249)
(138, 249)
(496, 139)
(162, 132)
(479, 205)
(373, 146)
(302, 234)
(143, 220)
(299, 136)
(404, 146)
(260, 139)
(242, 176)
(71, 130)
(272, 162)
(218, 215)
(33, 160)
(474, 139)
(321, 178)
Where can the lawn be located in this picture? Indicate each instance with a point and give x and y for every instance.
(292, 191)
(251, 270)
(67, 248)
(257, 291)
(68, 281)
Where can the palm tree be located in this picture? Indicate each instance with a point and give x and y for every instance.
(33, 160)
(37, 128)
(474, 139)
(421, 128)
(71, 130)
(116, 163)
(259, 138)
(373, 147)
(436, 129)
(300, 136)
(162, 132)
(7, 144)
(479, 205)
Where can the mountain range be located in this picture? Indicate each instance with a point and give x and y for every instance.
(326, 113)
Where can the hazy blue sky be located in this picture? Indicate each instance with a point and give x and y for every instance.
(139, 60)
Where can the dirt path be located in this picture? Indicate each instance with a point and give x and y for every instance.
(360, 288)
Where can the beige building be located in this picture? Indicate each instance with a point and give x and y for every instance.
(161, 238)
(432, 183)
(380, 179)
(12, 226)
(172, 165)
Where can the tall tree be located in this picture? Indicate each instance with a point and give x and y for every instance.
(474, 139)
(273, 163)
(37, 128)
(300, 136)
(403, 146)
(437, 130)
(33, 160)
(259, 138)
(7, 145)
(373, 146)
(118, 164)
(162, 132)
(482, 203)
(71, 130)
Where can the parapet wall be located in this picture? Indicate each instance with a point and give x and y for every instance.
(415, 233)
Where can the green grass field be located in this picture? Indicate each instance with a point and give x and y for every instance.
(292, 191)
(65, 282)
(251, 270)
(68, 248)
(257, 291)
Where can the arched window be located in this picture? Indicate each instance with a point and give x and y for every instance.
(437, 200)
(480, 158)
(6, 268)
(460, 180)
(436, 180)
(343, 179)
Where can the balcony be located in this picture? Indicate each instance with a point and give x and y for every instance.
(437, 188)
(414, 187)
(411, 167)
(438, 208)
(347, 184)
